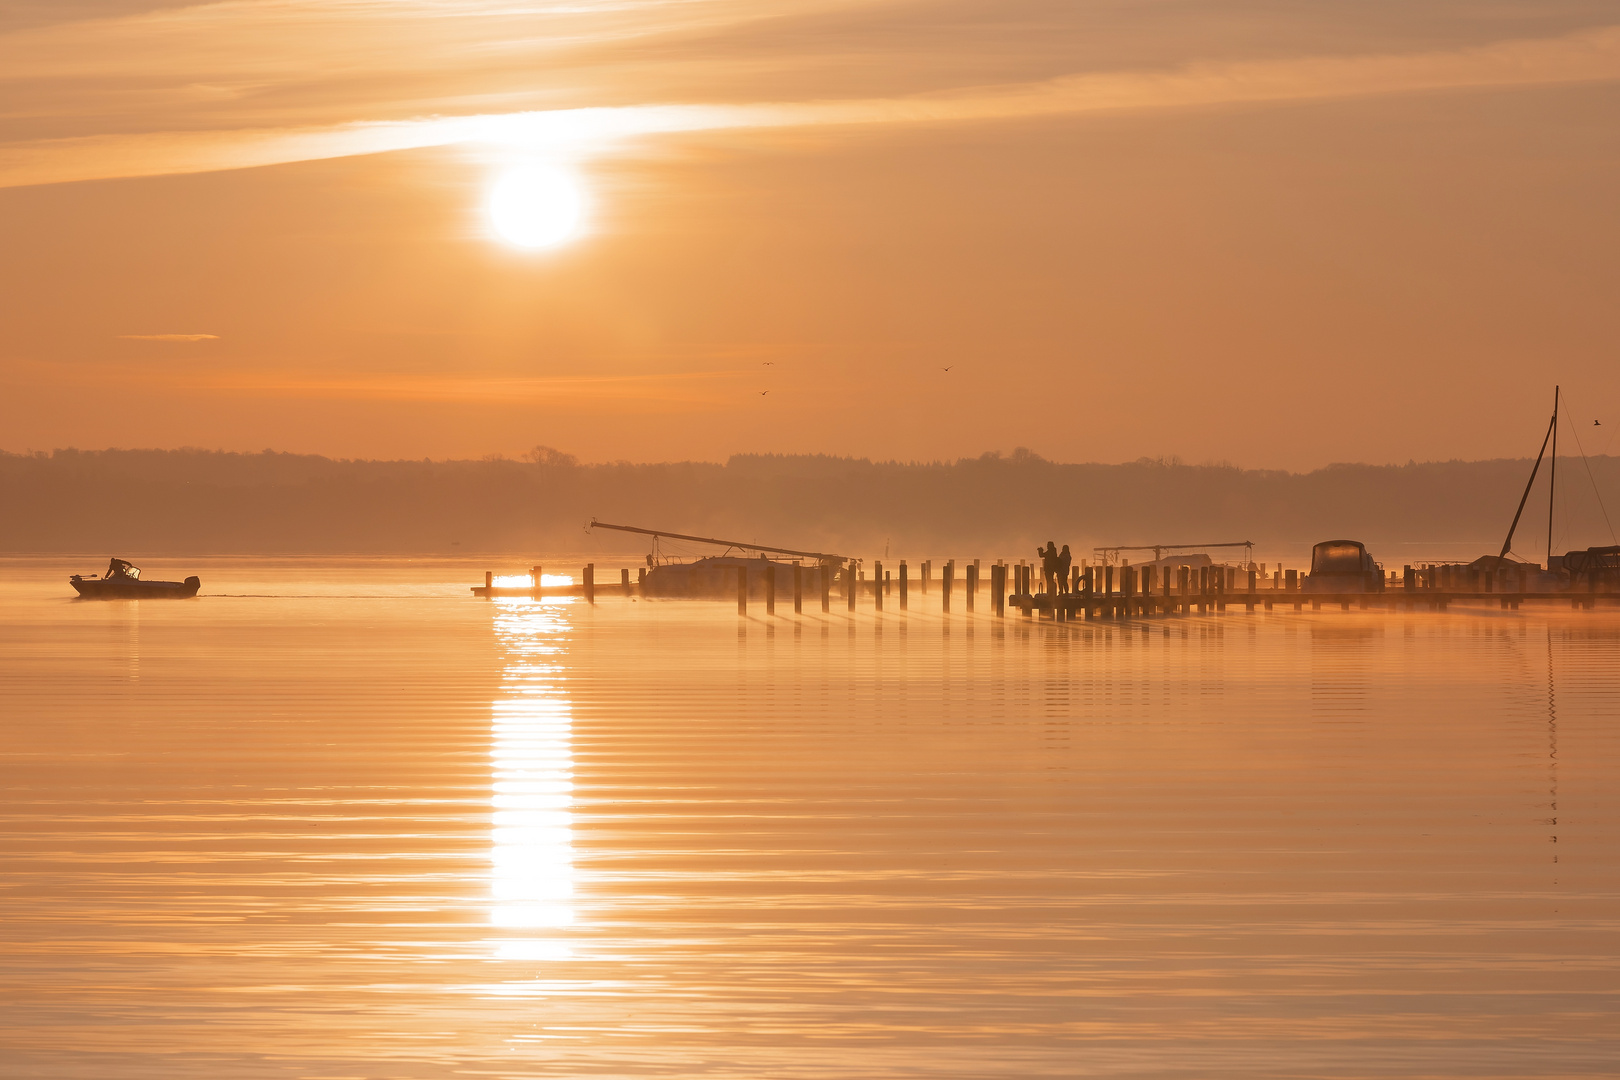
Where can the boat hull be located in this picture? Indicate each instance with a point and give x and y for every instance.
(100, 589)
(716, 578)
(1367, 581)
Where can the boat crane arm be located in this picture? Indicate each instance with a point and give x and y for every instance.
(818, 555)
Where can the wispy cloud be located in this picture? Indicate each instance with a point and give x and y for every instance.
(168, 337)
(1590, 56)
(661, 391)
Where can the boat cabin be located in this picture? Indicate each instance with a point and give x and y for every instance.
(1343, 566)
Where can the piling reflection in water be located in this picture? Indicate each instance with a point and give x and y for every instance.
(532, 763)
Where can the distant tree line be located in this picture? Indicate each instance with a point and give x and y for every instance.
(200, 502)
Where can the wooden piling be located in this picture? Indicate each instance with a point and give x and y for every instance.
(972, 582)
(770, 588)
(798, 589)
(946, 579)
(903, 584)
(877, 585)
(927, 572)
(588, 580)
(538, 579)
(824, 579)
(849, 585)
(489, 579)
(998, 591)
(742, 590)
(624, 580)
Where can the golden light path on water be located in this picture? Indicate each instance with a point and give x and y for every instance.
(526, 581)
(532, 780)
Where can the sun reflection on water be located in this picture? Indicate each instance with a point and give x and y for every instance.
(526, 581)
(532, 762)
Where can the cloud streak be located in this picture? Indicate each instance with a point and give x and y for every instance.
(1586, 57)
(168, 337)
(660, 392)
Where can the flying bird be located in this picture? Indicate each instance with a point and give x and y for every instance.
(762, 393)
(768, 363)
(947, 368)
(1596, 424)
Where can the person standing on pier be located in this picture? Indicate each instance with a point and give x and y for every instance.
(1049, 560)
(1064, 562)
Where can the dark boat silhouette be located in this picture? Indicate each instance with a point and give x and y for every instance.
(1343, 566)
(715, 576)
(123, 581)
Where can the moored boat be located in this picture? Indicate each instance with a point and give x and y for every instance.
(123, 581)
(715, 576)
(1343, 566)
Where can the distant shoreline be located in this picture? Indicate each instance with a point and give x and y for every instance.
(216, 503)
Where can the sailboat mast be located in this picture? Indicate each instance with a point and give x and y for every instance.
(1507, 545)
(1552, 477)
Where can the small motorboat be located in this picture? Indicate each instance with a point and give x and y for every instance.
(123, 581)
(1343, 566)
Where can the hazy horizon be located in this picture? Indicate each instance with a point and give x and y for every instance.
(565, 458)
(195, 501)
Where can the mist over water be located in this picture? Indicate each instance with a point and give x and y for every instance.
(345, 820)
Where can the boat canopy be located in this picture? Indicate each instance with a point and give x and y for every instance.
(1340, 557)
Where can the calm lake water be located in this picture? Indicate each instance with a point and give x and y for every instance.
(348, 822)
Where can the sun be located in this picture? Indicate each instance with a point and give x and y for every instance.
(536, 206)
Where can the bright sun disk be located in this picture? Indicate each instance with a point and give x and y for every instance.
(536, 206)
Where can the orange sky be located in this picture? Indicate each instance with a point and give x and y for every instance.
(1278, 236)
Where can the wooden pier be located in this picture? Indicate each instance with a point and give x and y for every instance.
(1096, 592)
(1125, 606)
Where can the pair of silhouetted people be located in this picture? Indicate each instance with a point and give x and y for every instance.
(1055, 566)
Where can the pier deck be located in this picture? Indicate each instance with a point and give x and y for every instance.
(1185, 596)
(1117, 605)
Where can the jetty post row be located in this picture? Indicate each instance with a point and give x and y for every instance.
(1100, 590)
